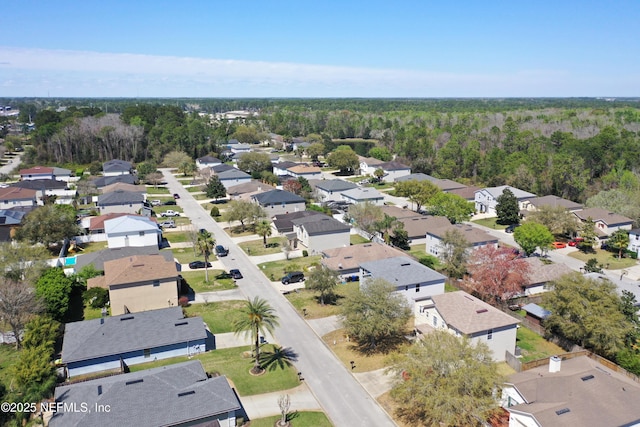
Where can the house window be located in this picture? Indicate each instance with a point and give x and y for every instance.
(406, 288)
(147, 353)
(141, 233)
(418, 287)
(490, 334)
(156, 283)
(435, 321)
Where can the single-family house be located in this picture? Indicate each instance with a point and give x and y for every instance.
(132, 230)
(465, 315)
(417, 227)
(446, 185)
(177, 395)
(393, 170)
(399, 213)
(103, 181)
(240, 148)
(536, 203)
(345, 261)
(467, 193)
(305, 171)
(327, 190)
(475, 238)
(248, 189)
(411, 279)
(10, 221)
(232, 177)
(283, 223)
(368, 165)
(123, 186)
(77, 262)
(207, 162)
(13, 197)
(486, 199)
(570, 392)
(299, 144)
(282, 168)
(277, 202)
(121, 201)
(416, 177)
(49, 188)
(116, 167)
(45, 172)
(318, 233)
(107, 343)
(540, 274)
(605, 222)
(139, 283)
(634, 240)
(221, 168)
(363, 194)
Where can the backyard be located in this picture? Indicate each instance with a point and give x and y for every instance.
(534, 346)
(219, 316)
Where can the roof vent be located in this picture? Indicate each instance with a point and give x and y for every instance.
(134, 381)
(348, 257)
(482, 310)
(181, 323)
(186, 393)
(562, 411)
(126, 318)
(587, 378)
(367, 245)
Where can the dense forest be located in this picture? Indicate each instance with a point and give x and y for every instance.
(574, 148)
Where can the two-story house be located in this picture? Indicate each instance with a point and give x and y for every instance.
(276, 202)
(486, 199)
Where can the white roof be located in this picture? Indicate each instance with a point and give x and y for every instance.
(130, 224)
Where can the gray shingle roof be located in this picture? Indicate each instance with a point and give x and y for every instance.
(120, 197)
(322, 224)
(222, 168)
(363, 194)
(277, 197)
(284, 222)
(232, 174)
(416, 177)
(116, 165)
(402, 271)
(335, 185)
(100, 257)
(40, 184)
(168, 395)
(94, 338)
(107, 180)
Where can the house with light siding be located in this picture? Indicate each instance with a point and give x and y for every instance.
(605, 222)
(116, 167)
(277, 202)
(121, 201)
(317, 233)
(363, 194)
(327, 190)
(15, 197)
(486, 199)
(345, 261)
(132, 230)
(475, 238)
(207, 162)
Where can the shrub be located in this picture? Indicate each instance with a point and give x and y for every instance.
(428, 261)
(96, 297)
(215, 212)
(79, 172)
(183, 301)
(305, 253)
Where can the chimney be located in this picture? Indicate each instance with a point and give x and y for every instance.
(554, 364)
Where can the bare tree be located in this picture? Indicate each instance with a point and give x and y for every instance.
(18, 303)
(284, 403)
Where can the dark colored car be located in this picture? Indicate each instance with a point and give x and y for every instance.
(235, 273)
(170, 202)
(511, 228)
(198, 264)
(176, 196)
(293, 277)
(221, 250)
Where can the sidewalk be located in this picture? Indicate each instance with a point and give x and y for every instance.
(266, 405)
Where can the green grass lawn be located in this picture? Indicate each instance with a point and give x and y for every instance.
(195, 189)
(274, 270)
(90, 247)
(307, 299)
(235, 364)
(604, 258)
(159, 209)
(178, 236)
(185, 255)
(382, 186)
(534, 346)
(220, 316)
(202, 196)
(256, 247)
(196, 279)
(490, 222)
(93, 313)
(356, 239)
(298, 419)
(8, 357)
(160, 190)
(418, 251)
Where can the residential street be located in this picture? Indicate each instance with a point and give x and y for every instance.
(340, 395)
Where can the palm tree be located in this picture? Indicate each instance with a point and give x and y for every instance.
(619, 240)
(263, 229)
(257, 317)
(205, 245)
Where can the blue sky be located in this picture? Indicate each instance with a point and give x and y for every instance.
(321, 48)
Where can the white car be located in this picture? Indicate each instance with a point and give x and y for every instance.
(155, 202)
(169, 213)
(168, 224)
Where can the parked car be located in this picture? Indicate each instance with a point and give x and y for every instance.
(155, 202)
(559, 245)
(169, 213)
(293, 277)
(221, 250)
(576, 241)
(198, 264)
(510, 229)
(168, 224)
(170, 203)
(176, 196)
(235, 274)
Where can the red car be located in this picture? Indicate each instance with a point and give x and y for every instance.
(576, 241)
(559, 245)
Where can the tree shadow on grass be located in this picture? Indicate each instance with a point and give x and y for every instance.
(383, 346)
(279, 357)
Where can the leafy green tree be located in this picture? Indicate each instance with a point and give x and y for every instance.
(452, 206)
(34, 375)
(21, 261)
(204, 246)
(375, 314)
(588, 234)
(245, 212)
(256, 317)
(454, 253)
(215, 189)
(381, 153)
(254, 163)
(96, 297)
(264, 230)
(557, 219)
(54, 288)
(365, 215)
(592, 266)
(176, 158)
(187, 167)
(418, 192)
(378, 174)
(48, 225)
(344, 159)
(587, 312)
(315, 150)
(246, 135)
(507, 208)
(385, 226)
(145, 168)
(445, 380)
(619, 240)
(42, 331)
(324, 281)
(18, 305)
(532, 235)
(269, 177)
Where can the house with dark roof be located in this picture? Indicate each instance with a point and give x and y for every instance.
(116, 167)
(111, 342)
(232, 177)
(345, 260)
(572, 391)
(363, 194)
(393, 170)
(221, 168)
(103, 181)
(77, 262)
(282, 168)
(283, 223)
(277, 202)
(176, 395)
(121, 201)
(486, 199)
(475, 237)
(13, 197)
(605, 222)
(10, 221)
(123, 186)
(411, 279)
(327, 190)
(139, 283)
(49, 188)
(462, 314)
(207, 162)
(132, 230)
(321, 232)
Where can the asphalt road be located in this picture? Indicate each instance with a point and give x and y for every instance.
(341, 396)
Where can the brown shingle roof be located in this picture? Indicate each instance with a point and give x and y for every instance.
(36, 170)
(303, 169)
(554, 201)
(17, 193)
(598, 214)
(543, 273)
(471, 234)
(138, 268)
(350, 257)
(123, 186)
(417, 227)
(468, 314)
(399, 213)
(467, 193)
